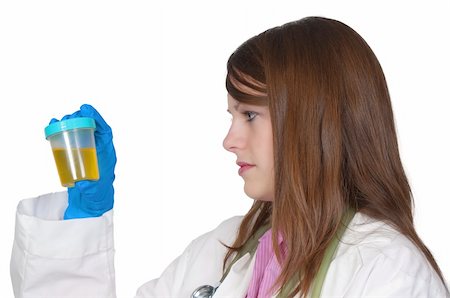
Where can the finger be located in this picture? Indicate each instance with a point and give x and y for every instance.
(74, 115)
(53, 121)
(70, 116)
(89, 189)
(87, 110)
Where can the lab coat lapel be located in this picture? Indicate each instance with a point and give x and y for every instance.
(238, 279)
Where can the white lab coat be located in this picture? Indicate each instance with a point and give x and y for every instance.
(75, 258)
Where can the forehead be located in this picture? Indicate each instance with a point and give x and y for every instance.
(232, 103)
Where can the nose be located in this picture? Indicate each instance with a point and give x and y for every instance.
(233, 140)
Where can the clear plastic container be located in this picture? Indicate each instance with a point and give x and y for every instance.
(73, 146)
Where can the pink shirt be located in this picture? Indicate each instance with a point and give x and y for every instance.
(266, 269)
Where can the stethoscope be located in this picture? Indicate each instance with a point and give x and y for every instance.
(207, 291)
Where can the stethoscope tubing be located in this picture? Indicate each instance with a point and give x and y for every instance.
(208, 291)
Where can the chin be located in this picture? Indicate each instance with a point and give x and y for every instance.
(257, 195)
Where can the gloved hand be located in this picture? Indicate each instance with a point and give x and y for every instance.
(93, 198)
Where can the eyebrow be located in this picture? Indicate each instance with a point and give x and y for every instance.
(235, 107)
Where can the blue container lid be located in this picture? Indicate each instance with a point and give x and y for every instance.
(64, 125)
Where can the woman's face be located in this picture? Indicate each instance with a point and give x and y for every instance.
(250, 138)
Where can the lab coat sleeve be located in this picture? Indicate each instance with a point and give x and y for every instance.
(171, 281)
(52, 257)
(199, 264)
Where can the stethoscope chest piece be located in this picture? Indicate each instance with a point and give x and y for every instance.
(204, 292)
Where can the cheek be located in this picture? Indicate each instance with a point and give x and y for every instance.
(269, 163)
(262, 147)
(268, 151)
(266, 175)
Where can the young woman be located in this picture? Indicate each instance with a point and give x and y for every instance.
(313, 134)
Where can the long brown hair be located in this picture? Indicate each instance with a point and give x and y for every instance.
(335, 144)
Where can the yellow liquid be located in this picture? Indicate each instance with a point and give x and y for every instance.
(76, 164)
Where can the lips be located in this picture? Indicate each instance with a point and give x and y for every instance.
(243, 166)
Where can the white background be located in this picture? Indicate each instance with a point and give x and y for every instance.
(155, 70)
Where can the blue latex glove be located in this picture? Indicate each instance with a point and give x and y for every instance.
(93, 198)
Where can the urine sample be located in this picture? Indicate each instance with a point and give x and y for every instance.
(73, 146)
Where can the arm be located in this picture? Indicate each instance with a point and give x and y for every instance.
(52, 257)
(199, 264)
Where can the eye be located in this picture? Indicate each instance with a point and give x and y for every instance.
(250, 115)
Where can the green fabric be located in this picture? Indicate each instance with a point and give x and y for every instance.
(329, 254)
(251, 245)
(326, 261)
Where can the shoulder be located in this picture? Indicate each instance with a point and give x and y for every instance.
(385, 262)
(229, 226)
(224, 233)
(377, 242)
(200, 263)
